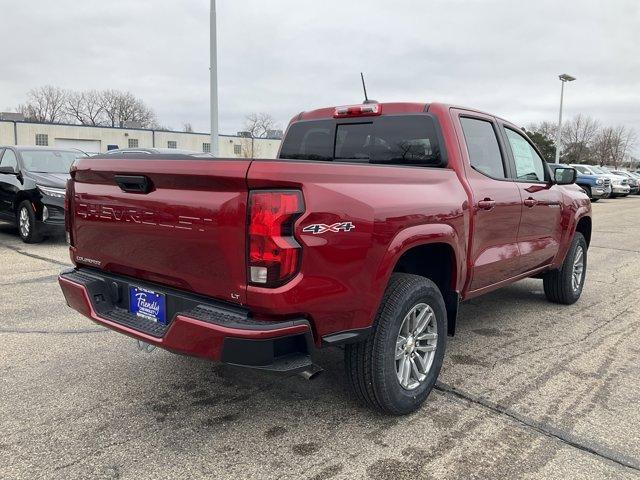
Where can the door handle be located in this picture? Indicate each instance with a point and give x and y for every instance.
(530, 202)
(133, 183)
(486, 204)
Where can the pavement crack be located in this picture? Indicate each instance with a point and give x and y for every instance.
(615, 248)
(44, 279)
(37, 257)
(566, 344)
(55, 332)
(544, 428)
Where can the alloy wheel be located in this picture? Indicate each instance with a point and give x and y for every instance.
(578, 269)
(416, 346)
(24, 221)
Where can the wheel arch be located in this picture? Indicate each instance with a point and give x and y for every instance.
(431, 251)
(21, 196)
(584, 227)
(580, 221)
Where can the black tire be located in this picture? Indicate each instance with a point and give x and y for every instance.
(594, 200)
(558, 284)
(587, 190)
(30, 234)
(371, 365)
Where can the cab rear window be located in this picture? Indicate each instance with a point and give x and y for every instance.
(390, 140)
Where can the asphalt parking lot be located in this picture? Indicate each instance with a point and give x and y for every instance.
(528, 390)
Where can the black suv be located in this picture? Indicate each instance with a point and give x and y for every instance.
(32, 187)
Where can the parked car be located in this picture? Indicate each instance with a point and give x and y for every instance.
(596, 187)
(634, 182)
(637, 177)
(32, 188)
(619, 184)
(372, 225)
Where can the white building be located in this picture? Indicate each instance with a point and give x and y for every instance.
(100, 139)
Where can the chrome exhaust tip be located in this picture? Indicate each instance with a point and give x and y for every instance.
(145, 347)
(311, 373)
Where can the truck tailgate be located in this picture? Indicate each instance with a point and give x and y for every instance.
(187, 232)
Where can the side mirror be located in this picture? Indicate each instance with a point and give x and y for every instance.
(8, 171)
(564, 176)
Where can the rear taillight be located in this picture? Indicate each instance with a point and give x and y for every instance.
(274, 254)
(67, 211)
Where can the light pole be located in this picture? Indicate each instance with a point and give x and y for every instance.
(563, 78)
(213, 61)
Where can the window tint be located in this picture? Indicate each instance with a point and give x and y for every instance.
(354, 142)
(581, 169)
(529, 165)
(395, 140)
(9, 160)
(406, 141)
(482, 144)
(311, 140)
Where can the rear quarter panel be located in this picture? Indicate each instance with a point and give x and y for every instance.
(343, 274)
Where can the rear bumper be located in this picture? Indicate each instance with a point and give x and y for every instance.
(196, 326)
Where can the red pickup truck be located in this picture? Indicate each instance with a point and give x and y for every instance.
(372, 225)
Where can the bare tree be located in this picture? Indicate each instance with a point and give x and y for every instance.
(578, 135)
(120, 107)
(613, 145)
(257, 125)
(187, 127)
(45, 104)
(547, 129)
(624, 141)
(85, 107)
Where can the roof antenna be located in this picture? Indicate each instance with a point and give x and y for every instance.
(364, 87)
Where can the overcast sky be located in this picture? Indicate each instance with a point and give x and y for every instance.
(284, 56)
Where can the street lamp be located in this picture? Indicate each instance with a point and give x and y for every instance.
(213, 53)
(563, 78)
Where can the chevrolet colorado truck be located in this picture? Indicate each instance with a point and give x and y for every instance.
(368, 230)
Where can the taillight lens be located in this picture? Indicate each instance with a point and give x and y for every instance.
(67, 212)
(274, 254)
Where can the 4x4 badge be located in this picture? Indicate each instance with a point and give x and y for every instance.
(322, 228)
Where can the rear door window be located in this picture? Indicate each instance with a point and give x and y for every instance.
(390, 140)
(529, 165)
(483, 147)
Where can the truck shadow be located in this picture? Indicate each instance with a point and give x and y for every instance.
(9, 232)
(478, 322)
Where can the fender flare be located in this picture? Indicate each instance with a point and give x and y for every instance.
(580, 213)
(416, 236)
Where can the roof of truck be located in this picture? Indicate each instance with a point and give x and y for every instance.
(390, 108)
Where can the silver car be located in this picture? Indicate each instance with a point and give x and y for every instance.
(619, 184)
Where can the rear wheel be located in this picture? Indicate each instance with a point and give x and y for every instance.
(26, 220)
(565, 284)
(395, 369)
